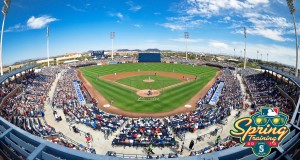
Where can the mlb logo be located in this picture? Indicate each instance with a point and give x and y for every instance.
(271, 112)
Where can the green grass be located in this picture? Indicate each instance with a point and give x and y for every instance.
(159, 82)
(170, 99)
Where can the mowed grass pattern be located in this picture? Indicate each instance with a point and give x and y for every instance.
(170, 99)
(159, 81)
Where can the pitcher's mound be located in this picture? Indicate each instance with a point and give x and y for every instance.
(148, 80)
(148, 93)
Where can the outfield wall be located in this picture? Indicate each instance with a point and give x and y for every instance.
(149, 57)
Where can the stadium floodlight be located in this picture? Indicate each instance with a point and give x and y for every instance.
(257, 56)
(234, 52)
(245, 47)
(112, 37)
(186, 36)
(267, 57)
(293, 10)
(261, 56)
(47, 36)
(4, 11)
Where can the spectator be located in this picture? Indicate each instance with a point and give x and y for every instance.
(191, 145)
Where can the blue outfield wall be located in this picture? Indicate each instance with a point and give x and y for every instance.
(149, 57)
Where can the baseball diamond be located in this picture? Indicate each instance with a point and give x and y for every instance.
(111, 83)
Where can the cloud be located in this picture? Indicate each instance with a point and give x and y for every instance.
(188, 40)
(227, 18)
(282, 2)
(273, 34)
(120, 15)
(277, 53)
(173, 26)
(17, 28)
(133, 7)
(267, 21)
(137, 25)
(271, 27)
(77, 9)
(206, 8)
(218, 45)
(39, 22)
(32, 23)
(183, 22)
(253, 14)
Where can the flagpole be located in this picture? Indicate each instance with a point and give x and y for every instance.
(245, 48)
(48, 45)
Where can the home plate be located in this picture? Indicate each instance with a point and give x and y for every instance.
(106, 105)
(187, 106)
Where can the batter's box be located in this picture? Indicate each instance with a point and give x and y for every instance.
(148, 99)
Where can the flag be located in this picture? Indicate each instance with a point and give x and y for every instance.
(269, 111)
(47, 31)
(245, 32)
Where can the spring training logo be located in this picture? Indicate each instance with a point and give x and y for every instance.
(262, 131)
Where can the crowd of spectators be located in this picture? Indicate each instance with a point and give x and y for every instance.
(93, 117)
(25, 109)
(65, 94)
(231, 92)
(290, 90)
(66, 98)
(5, 90)
(144, 132)
(225, 144)
(67, 143)
(205, 116)
(264, 93)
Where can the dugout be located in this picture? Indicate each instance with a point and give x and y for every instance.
(149, 57)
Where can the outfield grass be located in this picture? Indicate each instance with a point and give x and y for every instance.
(159, 81)
(170, 99)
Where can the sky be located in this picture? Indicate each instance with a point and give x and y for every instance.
(214, 26)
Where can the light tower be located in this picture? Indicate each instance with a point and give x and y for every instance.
(257, 56)
(261, 56)
(112, 37)
(245, 47)
(267, 57)
(293, 10)
(4, 11)
(234, 52)
(47, 36)
(186, 36)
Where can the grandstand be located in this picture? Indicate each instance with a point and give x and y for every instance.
(32, 102)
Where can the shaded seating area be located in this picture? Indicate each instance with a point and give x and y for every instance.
(264, 93)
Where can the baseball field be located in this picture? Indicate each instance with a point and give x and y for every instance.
(176, 85)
